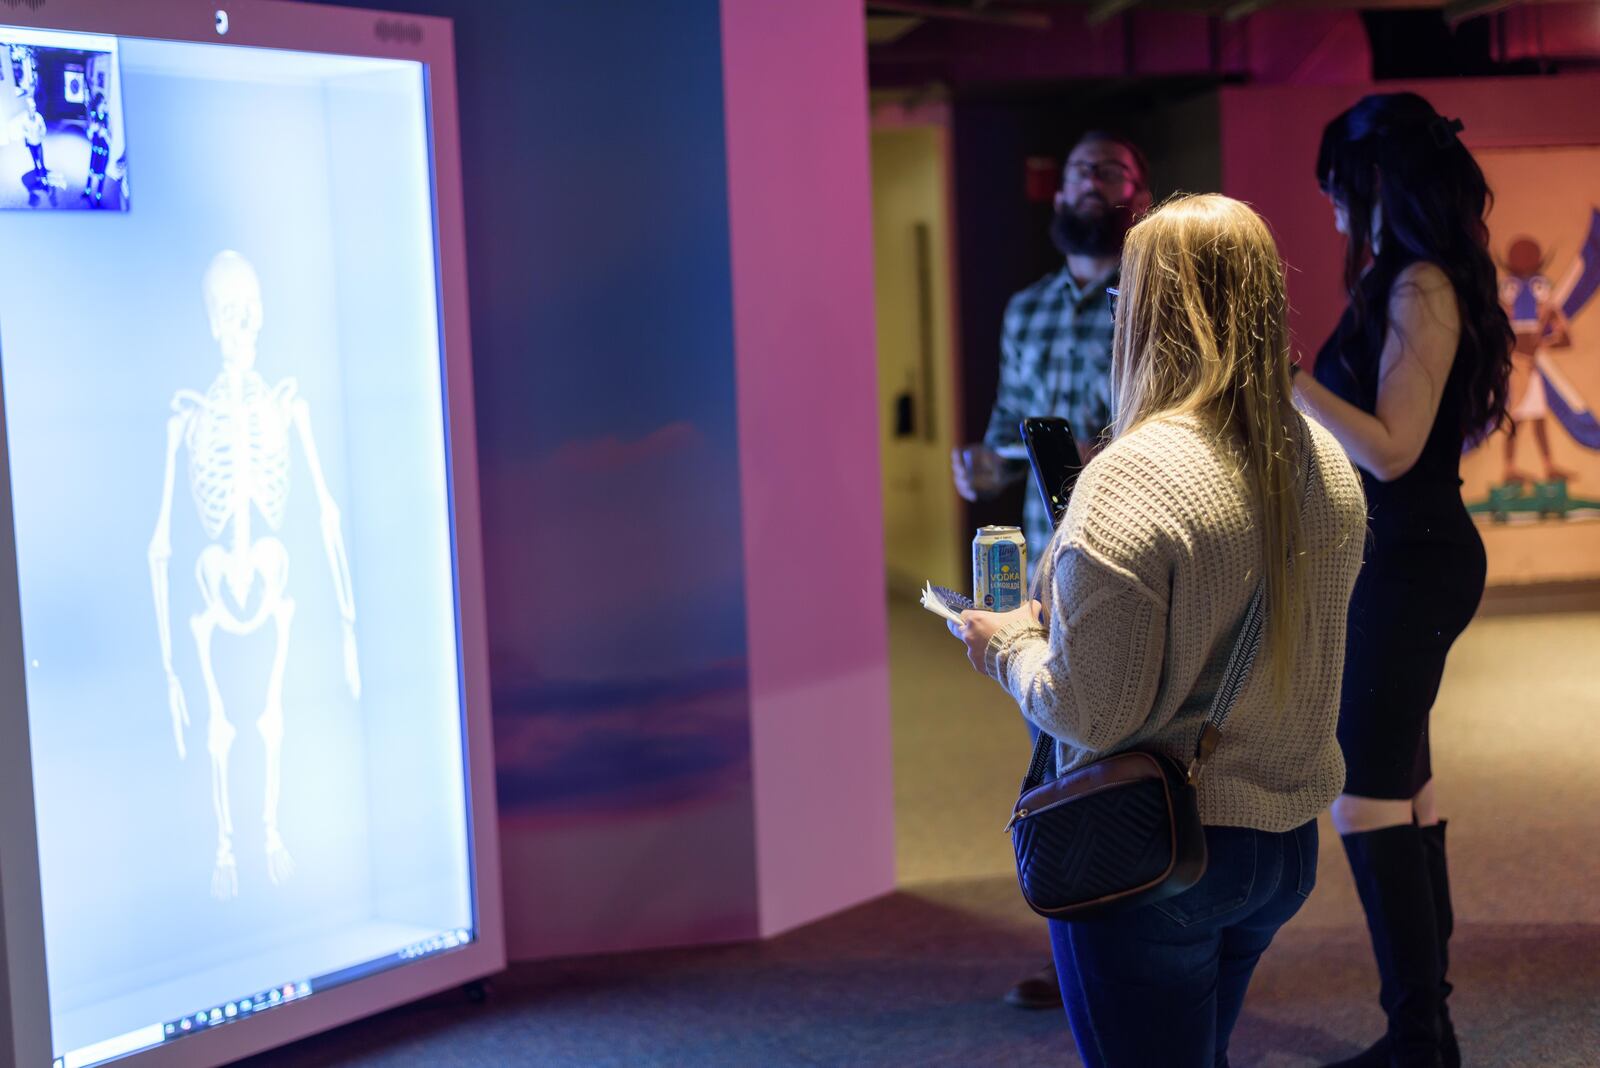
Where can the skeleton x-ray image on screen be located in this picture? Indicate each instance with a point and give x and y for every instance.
(237, 436)
(226, 433)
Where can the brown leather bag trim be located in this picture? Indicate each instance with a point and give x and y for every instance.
(1120, 769)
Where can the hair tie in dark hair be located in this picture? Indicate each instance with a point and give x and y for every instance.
(1444, 130)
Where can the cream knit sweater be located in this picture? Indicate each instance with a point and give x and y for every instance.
(1154, 565)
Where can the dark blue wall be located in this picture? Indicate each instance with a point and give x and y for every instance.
(598, 249)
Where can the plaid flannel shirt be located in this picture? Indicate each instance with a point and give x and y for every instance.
(1055, 359)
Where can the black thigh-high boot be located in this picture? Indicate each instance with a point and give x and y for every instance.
(1444, 913)
(1392, 877)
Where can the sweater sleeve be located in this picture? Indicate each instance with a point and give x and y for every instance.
(1091, 679)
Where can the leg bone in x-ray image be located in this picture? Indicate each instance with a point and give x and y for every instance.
(237, 436)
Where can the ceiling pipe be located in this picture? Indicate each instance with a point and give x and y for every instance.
(1103, 11)
(1027, 20)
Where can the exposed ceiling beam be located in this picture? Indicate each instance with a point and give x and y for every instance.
(1105, 10)
(1029, 20)
(1460, 10)
(1241, 8)
(887, 29)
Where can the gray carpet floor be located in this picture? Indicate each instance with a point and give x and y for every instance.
(914, 978)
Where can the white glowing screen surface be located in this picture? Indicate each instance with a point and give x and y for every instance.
(225, 425)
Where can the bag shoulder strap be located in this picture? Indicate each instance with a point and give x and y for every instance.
(1248, 643)
(1240, 660)
(1243, 657)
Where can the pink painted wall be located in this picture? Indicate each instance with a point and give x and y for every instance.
(800, 219)
(1300, 46)
(1550, 32)
(1269, 149)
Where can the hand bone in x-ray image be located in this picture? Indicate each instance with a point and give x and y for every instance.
(237, 436)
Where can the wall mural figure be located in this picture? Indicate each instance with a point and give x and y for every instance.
(1541, 312)
(237, 437)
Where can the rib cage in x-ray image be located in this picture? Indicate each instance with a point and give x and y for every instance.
(237, 435)
(238, 444)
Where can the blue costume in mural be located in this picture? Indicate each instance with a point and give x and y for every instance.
(1541, 312)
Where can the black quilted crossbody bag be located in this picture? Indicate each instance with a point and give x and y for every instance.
(1125, 830)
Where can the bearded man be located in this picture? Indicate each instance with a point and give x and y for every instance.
(1055, 345)
(1055, 360)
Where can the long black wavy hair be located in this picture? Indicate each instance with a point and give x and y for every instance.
(1394, 151)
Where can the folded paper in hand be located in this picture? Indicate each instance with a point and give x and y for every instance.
(944, 602)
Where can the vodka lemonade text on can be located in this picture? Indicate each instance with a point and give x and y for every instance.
(999, 568)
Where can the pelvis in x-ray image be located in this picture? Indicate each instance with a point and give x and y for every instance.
(237, 435)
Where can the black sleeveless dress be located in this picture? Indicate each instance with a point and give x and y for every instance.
(1422, 576)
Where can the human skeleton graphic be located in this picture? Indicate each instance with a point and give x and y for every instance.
(237, 436)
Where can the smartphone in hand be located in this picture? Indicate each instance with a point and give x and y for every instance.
(1053, 455)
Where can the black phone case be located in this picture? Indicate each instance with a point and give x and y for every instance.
(1054, 463)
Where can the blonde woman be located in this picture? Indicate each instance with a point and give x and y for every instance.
(1211, 482)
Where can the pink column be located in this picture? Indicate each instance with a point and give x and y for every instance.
(800, 220)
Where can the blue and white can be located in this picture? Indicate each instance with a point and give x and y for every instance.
(999, 568)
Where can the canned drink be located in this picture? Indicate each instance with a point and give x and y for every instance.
(999, 568)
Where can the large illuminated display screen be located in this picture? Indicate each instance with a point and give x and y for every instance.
(226, 430)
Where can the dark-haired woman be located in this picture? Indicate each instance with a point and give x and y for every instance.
(1417, 366)
(94, 187)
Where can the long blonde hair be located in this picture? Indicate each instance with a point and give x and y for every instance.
(1200, 330)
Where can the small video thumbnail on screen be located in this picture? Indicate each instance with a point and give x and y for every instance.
(61, 132)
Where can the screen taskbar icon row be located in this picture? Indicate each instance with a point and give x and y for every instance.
(253, 1005)
(233, 1010)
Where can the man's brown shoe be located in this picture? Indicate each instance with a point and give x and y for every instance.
(1041, 990)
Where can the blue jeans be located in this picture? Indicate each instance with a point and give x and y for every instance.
(1162, 984)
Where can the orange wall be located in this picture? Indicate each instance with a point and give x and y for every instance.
(1539, 142)
(1269, 150)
